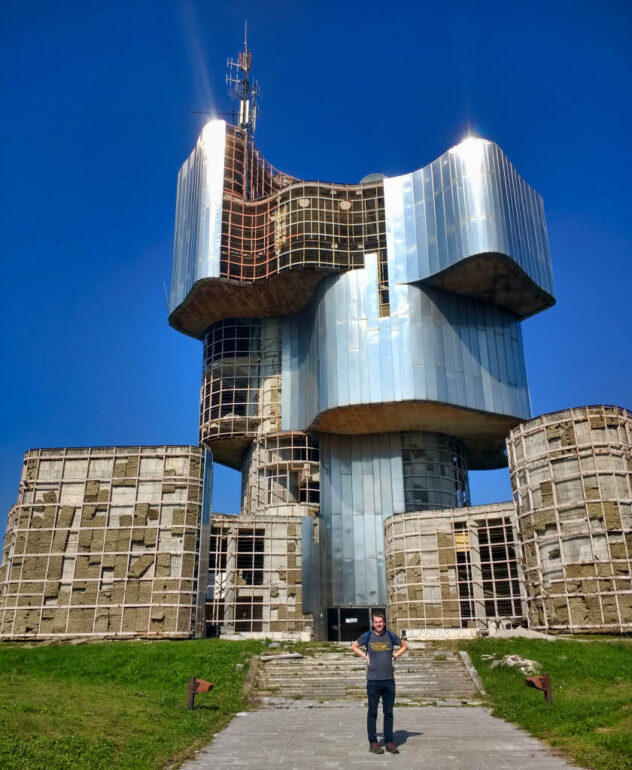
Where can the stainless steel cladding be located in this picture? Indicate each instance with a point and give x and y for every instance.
(365, 480)
(434, 347)
(470, 224)
(362, 484)
(198, 227)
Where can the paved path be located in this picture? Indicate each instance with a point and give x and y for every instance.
(333, 736)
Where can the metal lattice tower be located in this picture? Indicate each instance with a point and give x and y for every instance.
(248, 93)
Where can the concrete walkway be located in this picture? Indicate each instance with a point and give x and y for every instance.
(333, 735)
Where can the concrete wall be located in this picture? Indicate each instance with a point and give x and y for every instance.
(255, 577)
(453, 568)
(102, 542)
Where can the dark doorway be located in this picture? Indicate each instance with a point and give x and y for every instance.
(344, 624)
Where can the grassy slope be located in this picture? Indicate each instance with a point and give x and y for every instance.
(591, 716)
(115, 704)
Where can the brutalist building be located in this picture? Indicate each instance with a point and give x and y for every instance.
(362, 351)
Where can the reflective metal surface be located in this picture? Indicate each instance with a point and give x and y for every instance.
(435, 346)
(468, 203)
(466, 222)
(198, 227)
(362, 484)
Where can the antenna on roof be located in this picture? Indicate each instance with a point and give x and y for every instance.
(249, 95)
(241, 87)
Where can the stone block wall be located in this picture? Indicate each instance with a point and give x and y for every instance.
(571, 472)
(102, 542)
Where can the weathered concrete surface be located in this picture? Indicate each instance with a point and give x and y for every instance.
(331, 736)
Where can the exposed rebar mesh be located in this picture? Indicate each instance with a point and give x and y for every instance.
(452, 568)
(571, 473)
(103, 542)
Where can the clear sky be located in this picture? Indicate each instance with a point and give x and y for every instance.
(100, 104)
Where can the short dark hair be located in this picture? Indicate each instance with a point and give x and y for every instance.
(378, 614)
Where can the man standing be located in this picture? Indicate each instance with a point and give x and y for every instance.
(380, 680)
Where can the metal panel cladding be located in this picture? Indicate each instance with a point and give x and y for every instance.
(362, 485)
(198, 226)
(435, 346)
(468, 202)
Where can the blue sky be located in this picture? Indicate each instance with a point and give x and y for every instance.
(99, 103)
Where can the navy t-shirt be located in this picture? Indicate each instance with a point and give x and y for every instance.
(379, 648)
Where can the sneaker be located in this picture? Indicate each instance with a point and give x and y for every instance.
(392, 748)
(375, 748)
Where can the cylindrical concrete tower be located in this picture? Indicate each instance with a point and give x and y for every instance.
(571, 473)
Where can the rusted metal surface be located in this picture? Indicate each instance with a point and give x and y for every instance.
(197, 686)
(541, 682)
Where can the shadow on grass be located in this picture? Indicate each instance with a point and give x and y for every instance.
(203, 707)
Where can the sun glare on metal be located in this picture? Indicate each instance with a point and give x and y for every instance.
(191, 29)
(471, 153)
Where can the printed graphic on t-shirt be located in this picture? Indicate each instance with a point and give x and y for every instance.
(379, 646)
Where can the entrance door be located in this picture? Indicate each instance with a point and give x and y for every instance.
(344, 624)
(353, 622)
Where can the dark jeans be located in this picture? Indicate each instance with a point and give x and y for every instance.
(376, 689)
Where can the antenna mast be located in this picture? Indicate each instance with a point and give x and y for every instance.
(249, 94)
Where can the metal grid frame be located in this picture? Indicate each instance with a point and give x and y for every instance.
(571, 472)
(103, 542)
(281, 471)
(231, 379)
(442, 573)
(255, 576)
(287, 222)
(500, 574)
(435, 472)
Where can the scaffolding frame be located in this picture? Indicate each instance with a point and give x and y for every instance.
(281, 475)
(285, 222)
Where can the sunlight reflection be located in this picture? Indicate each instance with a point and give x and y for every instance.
(471, 153)
(196, 53)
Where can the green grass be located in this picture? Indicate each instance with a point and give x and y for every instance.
(116, 704)
(590, 720)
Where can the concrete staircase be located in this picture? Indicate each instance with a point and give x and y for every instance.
(423, 677)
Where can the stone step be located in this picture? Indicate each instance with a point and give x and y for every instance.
(424, 677)
(408, 681)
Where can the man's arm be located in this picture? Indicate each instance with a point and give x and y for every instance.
(357, 650)
(401, 651)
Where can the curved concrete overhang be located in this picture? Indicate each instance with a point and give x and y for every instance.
(493, 278)
(216, 299)
(469, 224)
(482, 433)
(229, 450)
